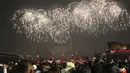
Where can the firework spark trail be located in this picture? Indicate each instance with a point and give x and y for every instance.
(61, 22)
(93, 17)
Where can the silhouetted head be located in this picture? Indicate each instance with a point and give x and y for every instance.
(120, 65)
(24, 66)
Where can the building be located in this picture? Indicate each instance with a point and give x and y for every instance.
(118, 51)
(6, 57)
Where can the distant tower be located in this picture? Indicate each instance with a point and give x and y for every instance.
(70, 46)
(53, 56)
(38, 59)
(62, 59)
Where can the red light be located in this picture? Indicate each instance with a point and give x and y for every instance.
(112, 51)
(125, 51)
(104, 54)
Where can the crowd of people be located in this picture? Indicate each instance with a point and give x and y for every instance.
(106, 65)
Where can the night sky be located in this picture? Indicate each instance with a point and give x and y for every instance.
(12, 42)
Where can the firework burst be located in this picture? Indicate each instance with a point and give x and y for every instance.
(32, 23)
(93, 17)
(97, 16)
